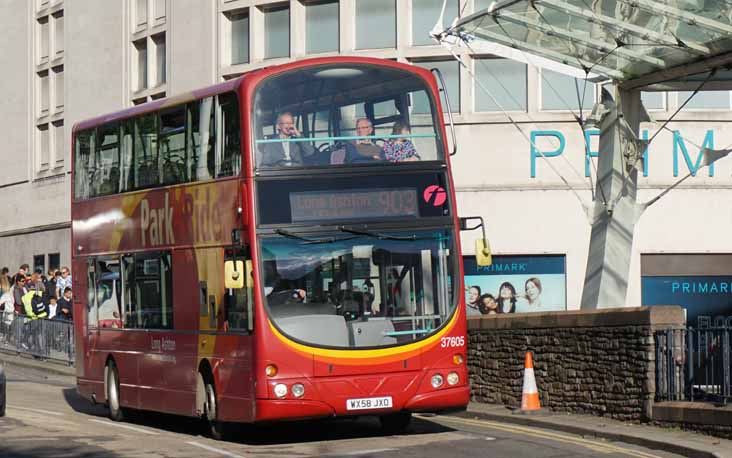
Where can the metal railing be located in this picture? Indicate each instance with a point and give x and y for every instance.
(40, 338)
(695, 364)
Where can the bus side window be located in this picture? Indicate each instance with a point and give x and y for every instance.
(91, 296)
(145, 146)
(83, 164)
(228, 149)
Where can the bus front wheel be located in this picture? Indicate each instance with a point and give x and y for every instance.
(116, 412)
(395, 423)
(216, 428)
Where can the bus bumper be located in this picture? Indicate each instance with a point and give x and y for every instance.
(272, 409)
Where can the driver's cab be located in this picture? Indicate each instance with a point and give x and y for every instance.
(327, 103)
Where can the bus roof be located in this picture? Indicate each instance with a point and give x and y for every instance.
(155, 105)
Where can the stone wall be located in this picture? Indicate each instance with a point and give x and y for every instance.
(591, 362)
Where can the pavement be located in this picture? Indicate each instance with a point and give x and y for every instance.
(684, 443)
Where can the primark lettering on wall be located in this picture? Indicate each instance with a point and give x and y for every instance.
(672, 153)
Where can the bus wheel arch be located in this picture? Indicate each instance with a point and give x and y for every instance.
(203, 377)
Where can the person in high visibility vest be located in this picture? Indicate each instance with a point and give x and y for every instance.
(34, 309)
(33, 304)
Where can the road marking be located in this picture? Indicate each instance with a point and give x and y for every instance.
(131, 428)
(215, 450)
(47, 412)
(365, 452)
(600, 447)
(490, 438)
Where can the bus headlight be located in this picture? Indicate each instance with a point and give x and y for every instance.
(280, 390)
(437, 381)
(452, 378)
(298, 390)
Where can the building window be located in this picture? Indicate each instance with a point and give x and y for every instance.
(160, 59)
(58, 26)
(59, 145)
(239, 22)
(705, 100)
(43, 39)
(141, 52)
(44, 102)
(375, 24)
(44, 140)
(39, 262)
(560, 92)
(450, 70)
(140, 13)
(54, 261)
(654, 100)
(424, 16)
(58, 89)
(506, 81)
(322, 27)
(276, 32)
(159, 10)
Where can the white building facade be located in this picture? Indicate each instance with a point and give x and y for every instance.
(74, 59)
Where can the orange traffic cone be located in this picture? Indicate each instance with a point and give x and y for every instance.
(530, 395)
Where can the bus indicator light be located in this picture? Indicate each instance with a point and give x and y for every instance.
(270, 370)
(457, 359)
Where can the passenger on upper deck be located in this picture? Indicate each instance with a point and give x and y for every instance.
(365, 147)
(400, 149)
(285, 153)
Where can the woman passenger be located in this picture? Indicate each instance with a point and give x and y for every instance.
(400, 149)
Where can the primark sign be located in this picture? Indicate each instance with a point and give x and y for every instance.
(686, 155)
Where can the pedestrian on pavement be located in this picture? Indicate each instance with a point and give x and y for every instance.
(19, 290)
(63, 282)
(64, 308)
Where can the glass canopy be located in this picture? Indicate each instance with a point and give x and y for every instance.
(636, 42)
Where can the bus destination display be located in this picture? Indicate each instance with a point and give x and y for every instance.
(353, 204)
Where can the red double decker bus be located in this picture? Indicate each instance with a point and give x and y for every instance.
(279, 246)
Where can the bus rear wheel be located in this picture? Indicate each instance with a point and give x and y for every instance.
(395, 423)
(116, 412)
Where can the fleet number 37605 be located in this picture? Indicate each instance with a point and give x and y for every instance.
(448, 342)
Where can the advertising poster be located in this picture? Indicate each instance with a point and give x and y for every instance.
(709, 296)
(516, 284)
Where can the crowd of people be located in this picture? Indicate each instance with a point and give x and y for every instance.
(33, 295)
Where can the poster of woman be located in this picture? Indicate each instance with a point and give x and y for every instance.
(516, 284)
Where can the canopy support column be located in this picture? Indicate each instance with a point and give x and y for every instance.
(615, 212)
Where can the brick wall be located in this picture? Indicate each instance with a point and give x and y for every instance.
(596, 362)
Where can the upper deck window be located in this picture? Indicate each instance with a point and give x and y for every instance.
(196, 141)
(336, 115)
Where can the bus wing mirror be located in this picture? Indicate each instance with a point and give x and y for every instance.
(483, 256)
(234, 274)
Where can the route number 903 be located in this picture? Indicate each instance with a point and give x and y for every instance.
(449, 342)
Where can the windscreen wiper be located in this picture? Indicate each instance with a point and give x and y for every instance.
(377, 235)
(309, 241)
